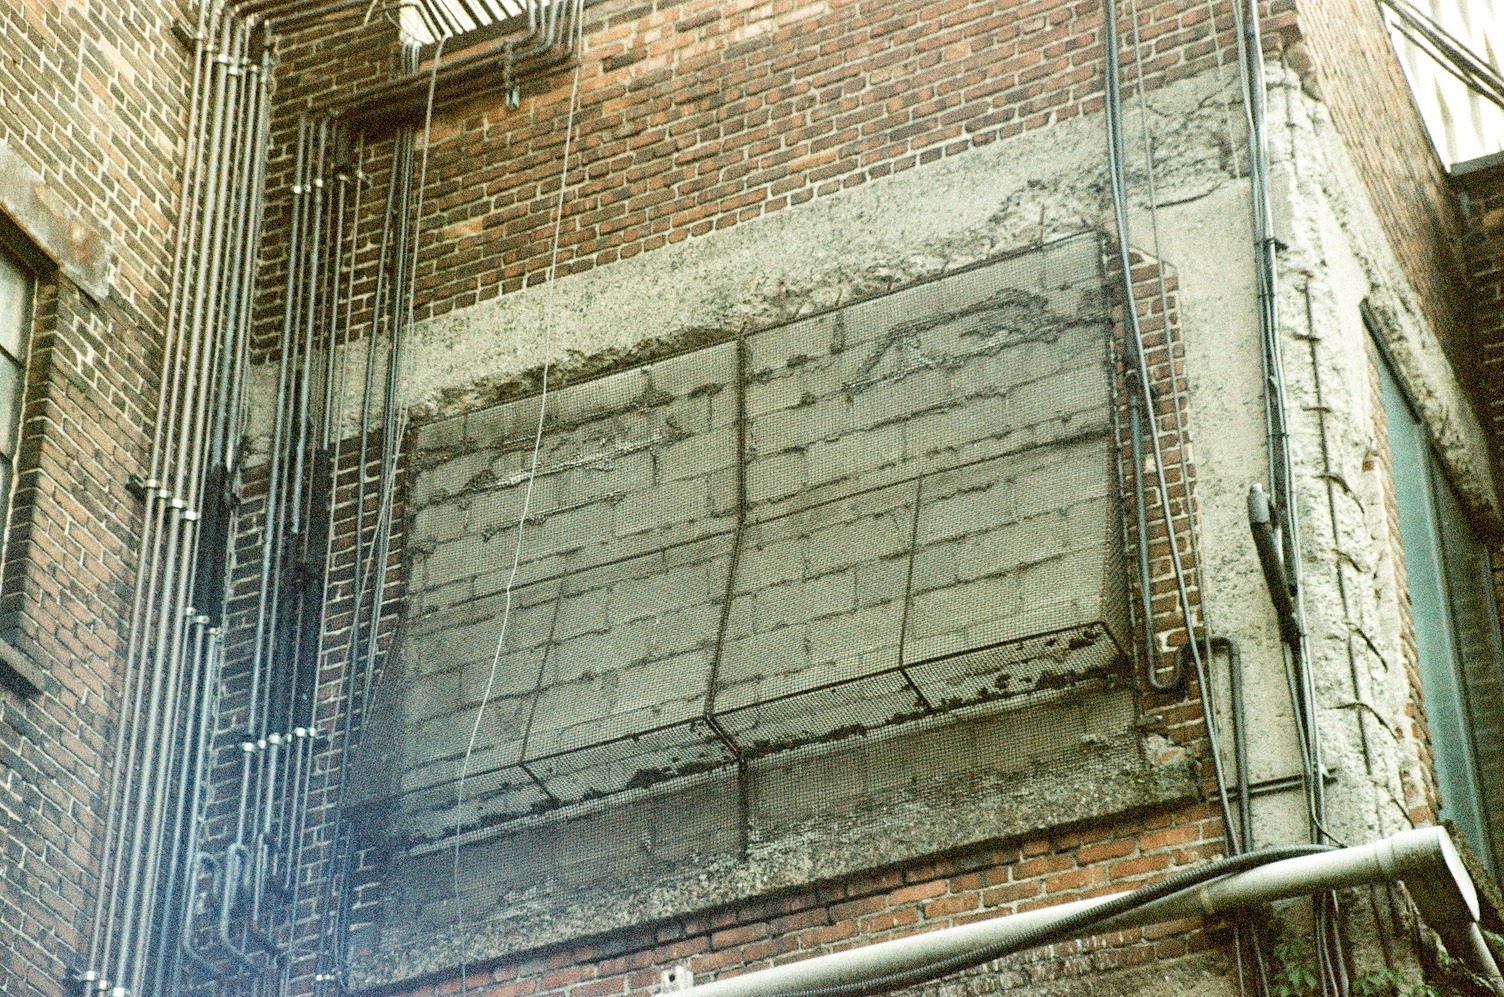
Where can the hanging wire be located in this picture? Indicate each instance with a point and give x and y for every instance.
(1295, 647)
(506, 613)
(1118, 176)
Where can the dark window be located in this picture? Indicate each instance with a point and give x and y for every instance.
(15, 327)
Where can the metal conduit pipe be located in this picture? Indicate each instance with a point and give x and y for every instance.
(1280, 462)
(549, 42)
(162, 680)
(158, 931)
(190, 472)
(269, 529)
(310, 281)
(197, 802)
(173, 659)
(179, 815)
(273, 772)
(1141, 522)
(1424, 859)
(134, 674)
(330, 438)
(388, 292)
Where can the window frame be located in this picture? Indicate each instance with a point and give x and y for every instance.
(27, 328)
(17, 670)
(1436, 615)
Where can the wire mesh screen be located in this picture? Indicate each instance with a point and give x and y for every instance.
(870, 546)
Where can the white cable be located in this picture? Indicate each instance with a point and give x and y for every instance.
(527, 500)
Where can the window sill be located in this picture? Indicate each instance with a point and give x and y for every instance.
(19, 672)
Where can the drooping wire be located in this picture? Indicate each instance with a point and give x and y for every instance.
(1203, 683)
(1119, 184)
(527, 498)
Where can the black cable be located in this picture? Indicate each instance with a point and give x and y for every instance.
(1068, 926)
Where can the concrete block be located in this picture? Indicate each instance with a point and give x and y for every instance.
(849, 636)
(431, 695)
(678, 680)
(775, 476)
(882, 581)
(964, 502)
(692, 458)
(781, 605)
(652, 597)
(857, 451)
(851, 536)
(582, 612)
(517, 674)
(780, 650)
(772, 348)
(663, 506)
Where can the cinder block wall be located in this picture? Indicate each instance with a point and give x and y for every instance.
(92, 101)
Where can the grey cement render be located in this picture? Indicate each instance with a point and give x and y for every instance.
(954, 213)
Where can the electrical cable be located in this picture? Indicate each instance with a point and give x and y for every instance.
(1070, 925)
(548, 332)
(1118, 178)
(1295, 645)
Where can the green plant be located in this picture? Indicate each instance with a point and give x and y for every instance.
(1385, 981)
(1294, 967)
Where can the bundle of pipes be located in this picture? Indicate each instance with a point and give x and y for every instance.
(175, 650)
(178, 896)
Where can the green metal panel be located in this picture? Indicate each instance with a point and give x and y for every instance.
(1431, 609)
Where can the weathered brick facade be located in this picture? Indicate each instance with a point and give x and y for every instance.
(690, 124)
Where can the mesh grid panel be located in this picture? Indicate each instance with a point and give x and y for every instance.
(877, 538)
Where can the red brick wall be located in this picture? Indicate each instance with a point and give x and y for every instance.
(694, 116)
(92, 98)
(1483, 204)
(1342, 50)
(1482, 194)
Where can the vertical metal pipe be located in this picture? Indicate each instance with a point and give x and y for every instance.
(311, 282)
(141, 894)
(270, 509)
(159, 664)
(135, 673)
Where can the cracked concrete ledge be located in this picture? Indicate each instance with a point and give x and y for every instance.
(1321, 170)
(973, 811)
(78, 248)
